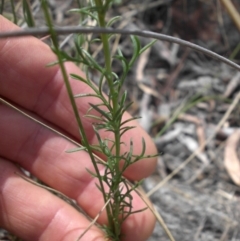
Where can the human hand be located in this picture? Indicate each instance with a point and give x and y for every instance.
(27, 210)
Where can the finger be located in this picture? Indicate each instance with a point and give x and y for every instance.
(25, 80)
(42, 152)
(33, 213)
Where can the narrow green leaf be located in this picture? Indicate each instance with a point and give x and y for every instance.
(102, 112)
(86, 10)
(125, 129)
(123, 60)
(121, 111)
(100, 126)
(99, 188)
(101, 82)
(92, 173)
(95, 40)
(123, 99)
(27, 12)
(136, 49)
(91, 61)
(100, 141)
(130, 119)
(143, 147)
(78, 77)
(81, 58)
(147, 46)
(79, 40)
(115, 76)
(112, 21)
(139, 210)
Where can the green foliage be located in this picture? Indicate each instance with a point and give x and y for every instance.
(28, 13)
(14, 12)
(107, 115)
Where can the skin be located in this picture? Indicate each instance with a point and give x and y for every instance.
(27, 210)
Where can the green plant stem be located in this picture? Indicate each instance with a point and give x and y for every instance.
(108, 65)
(14, 12)
(106, 48)
(115, 225)
(71, 96)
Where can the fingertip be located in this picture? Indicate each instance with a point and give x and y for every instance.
(32, 213)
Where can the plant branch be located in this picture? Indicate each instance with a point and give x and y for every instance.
(70, 94)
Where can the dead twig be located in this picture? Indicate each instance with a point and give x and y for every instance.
(147, 34)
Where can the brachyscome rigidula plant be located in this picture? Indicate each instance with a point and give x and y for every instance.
(107, 115)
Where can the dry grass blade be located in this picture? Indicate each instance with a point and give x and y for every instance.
(59, 194)
(158, 217)
(232, 85)
(39, 122)
(234, 14)
(199, 150)
(94, 220)
(199, 125)
(149, 90)
(142, 62)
